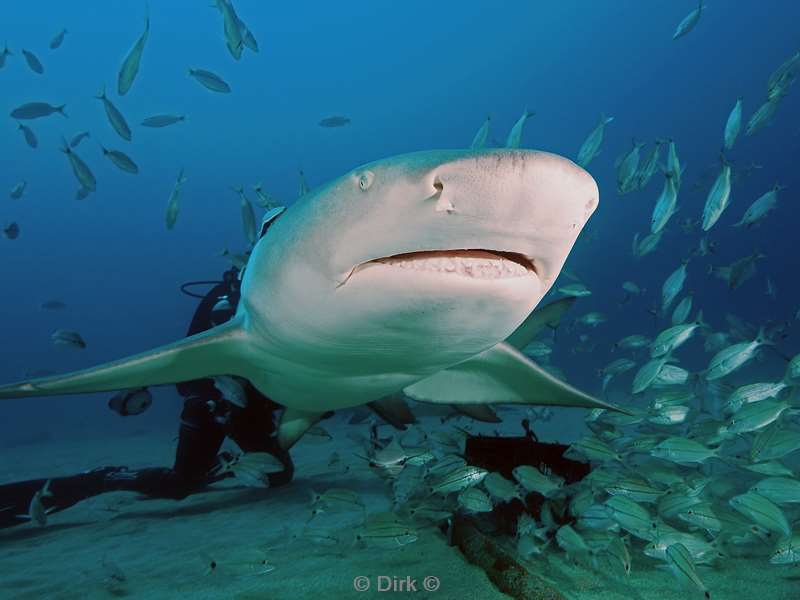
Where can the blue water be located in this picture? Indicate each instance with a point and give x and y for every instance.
(411, 76)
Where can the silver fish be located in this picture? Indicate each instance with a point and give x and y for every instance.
(121, 160)
(30, 137)
(780, 490)
(733, 125)
(173, 204)
(760, 208)
(33, 62)
(666, 205)
(689, 22)
(162, 120)
(515, 135)
(682, 566)
(591, 145)
(210, 80)
(36, 110)
(115, 118)
(762, 512)
(479, 141)
(733, 357)
(130, 66)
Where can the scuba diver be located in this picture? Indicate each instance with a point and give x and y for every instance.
(207, 419)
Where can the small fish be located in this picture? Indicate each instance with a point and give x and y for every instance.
(173, 204)
(683, 451)
(631, 516)
(337, 499)
(248, 216)
(58, 39)
(718, 197)
(760, 208)
(501, 488)
(210, 80)
(774, 442)
(632, 342)
(458, 479)
(82, 172)
(121, 160)
(162, 120)
(650, 166)
(636, 490)
(578, 290)
(72, 339)
(251, 468)
(787, 552)
(674, 337)
(764, 113)
(681, 564)
(479, 141)
(6, 52)
(673, 285)
(131, 402)
(52, 305)
(647, 374)
(753, 392)
(593, 449)
(780, 490)
(571, 542)
(730, 359)
(36, 110)
(762, 512)
(130, 65)
(36, 510)
(232, 391)
(689, 21)
(514, 138)
(304, 188)
(673, 163)
(33, 62)
(265, 201)
(733, 125)
(78, 138)
(30, 137)
(627, 168)
(647, 245)
(533, 480)
(474, 500)
(232, 28)
(386, 530)
(11, 231)
(591, 145)
(739, 271)
(334, 121)
(118, 122)
(18, 190)
(246, 561)
(755, 416)
(682, 310)
(666, 205)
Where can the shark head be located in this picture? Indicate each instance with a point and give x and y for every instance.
(416, 262)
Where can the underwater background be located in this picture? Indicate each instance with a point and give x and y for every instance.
(411, 76)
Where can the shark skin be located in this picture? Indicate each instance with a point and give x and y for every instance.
(412, 267)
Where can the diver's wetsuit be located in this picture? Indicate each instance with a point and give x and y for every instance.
(205, 422)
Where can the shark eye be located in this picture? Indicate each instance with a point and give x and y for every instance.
(366, 180)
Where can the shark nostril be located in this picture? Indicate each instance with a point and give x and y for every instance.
(438, 186)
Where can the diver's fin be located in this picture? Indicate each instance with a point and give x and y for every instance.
(546, 316)
(394, 410)
(479, 412)
(218, 351)
(294, 423)
(500, 375)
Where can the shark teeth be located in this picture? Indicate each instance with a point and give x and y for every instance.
(475, 264)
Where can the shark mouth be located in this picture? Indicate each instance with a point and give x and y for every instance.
(472, 263)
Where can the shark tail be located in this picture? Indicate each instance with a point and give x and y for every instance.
(218, 351)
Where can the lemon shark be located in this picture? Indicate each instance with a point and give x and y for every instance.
(405, 276)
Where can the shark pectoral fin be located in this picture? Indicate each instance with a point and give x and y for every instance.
(479, 412)
(548, 315)
(294, 423)
(394, 410)
(500, 375)
(217, 351)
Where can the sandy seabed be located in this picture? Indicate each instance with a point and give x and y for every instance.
(163, 548)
